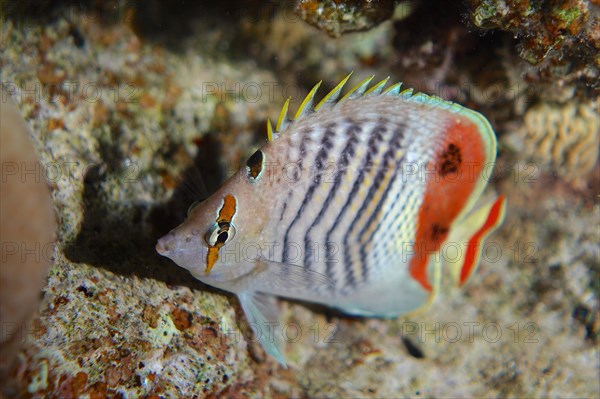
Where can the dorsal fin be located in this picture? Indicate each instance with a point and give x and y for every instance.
(376, 90)
(406, 94)
(306, 105)
(420, 97)
(282, 122)
(393, 90)
(359, 89)
(269, 130)
(333, 95)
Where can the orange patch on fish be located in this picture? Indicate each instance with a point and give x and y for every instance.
(212, 256)
(227, 210)
(224, 219)
(446, 193)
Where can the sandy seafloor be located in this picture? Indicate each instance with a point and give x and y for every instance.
(123, 116)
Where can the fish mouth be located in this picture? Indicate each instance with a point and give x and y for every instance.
(164, 245)
(184, 254)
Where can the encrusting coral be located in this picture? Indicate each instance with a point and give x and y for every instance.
(542, 25)
(560, 38)
(565, 137)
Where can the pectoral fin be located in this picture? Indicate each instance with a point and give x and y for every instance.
(289, 280)
(266, 279)
(263, 316)
(468, 239)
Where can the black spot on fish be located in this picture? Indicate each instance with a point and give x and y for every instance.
(255, 164)
(450, 160)
(438, 232)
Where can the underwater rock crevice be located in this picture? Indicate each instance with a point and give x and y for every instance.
(123, 242)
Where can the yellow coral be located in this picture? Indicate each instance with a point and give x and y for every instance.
(563, 136)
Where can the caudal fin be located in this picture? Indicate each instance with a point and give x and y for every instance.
(469, 237)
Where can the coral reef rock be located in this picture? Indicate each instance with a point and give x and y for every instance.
(562, 38)
(337, 17)
(542, 25)
(564, 137)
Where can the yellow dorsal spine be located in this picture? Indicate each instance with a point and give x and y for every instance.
(359, 89)
(333, 95)
(305, 107)
(376, 90)
(269, 130)
(331, 98)
(282, 120)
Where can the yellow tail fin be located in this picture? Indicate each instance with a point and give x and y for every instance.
(467, 239)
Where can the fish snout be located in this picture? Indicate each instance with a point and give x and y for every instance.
(165, 244)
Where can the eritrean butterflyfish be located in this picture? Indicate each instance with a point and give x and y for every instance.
(348, 204)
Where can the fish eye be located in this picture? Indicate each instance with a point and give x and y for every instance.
(219, 235)
(222, 237)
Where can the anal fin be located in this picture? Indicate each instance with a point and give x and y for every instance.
(469, 237)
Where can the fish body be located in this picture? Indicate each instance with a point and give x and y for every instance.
(350, 205)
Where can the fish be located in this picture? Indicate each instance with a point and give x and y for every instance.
(349, 204)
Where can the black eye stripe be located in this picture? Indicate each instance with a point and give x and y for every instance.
(255, 164)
